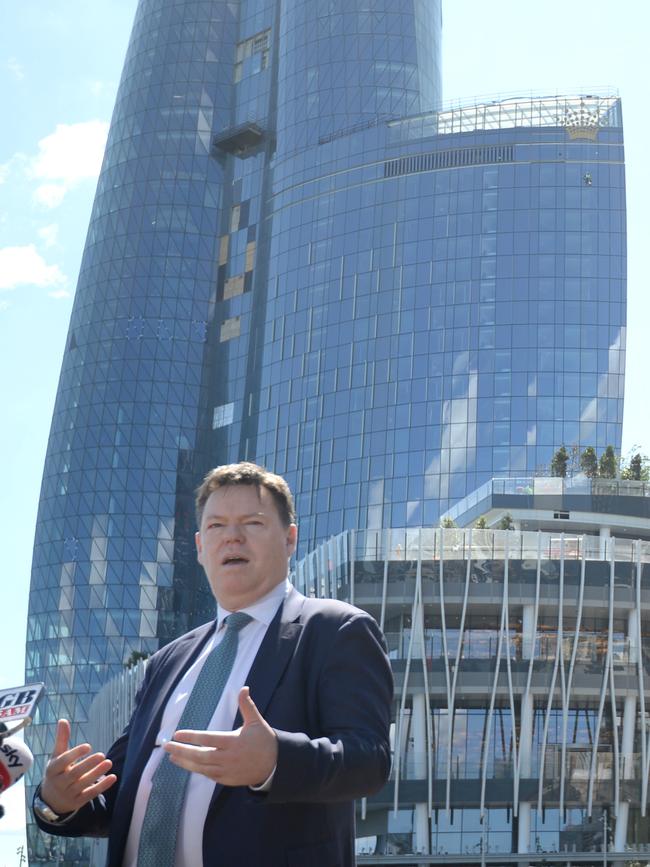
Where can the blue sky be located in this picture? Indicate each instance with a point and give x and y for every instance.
(60, 62)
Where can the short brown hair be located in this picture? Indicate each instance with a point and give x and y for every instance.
(246, 473)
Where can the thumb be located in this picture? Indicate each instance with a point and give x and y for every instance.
(62, 738)
(248, 708)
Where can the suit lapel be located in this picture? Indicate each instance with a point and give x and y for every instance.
(275, 652)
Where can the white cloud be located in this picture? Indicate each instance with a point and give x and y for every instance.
(49, 234)
(24, 266)
(15, 68)
(71, 154)
(4, 305)
(50, 195)
(97, 87)
(59, 293)
(6, 168)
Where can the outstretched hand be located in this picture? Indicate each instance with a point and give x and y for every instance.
(74, 776)
(244, 757)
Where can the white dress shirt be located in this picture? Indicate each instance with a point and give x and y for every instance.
(200, 788)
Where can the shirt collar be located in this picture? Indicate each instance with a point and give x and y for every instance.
(264, 609)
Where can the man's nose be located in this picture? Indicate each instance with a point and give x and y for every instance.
(234, 532)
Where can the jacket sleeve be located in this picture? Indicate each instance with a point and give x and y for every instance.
(349, 756)
(94, 818)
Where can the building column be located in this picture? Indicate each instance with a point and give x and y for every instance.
(528, 636)
(421, 833)
(627, 766)
(419, 745)
(525, 756)
(627, 740)
(605, 535)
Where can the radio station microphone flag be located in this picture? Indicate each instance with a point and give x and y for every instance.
(15, 760)
(17, 705)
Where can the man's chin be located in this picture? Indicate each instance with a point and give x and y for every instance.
(234, 567)
(232, 590)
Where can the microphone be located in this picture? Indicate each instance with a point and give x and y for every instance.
(17, 705)
(15, 759)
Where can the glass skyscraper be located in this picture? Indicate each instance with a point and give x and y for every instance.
(446, 303)
(297, 256)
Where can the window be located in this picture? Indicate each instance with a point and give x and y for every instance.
(256, 47)
(223, 415)
(233, 286)
(229, 329)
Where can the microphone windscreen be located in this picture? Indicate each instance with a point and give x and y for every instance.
(15, 759)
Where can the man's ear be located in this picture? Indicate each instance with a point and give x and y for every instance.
(292, 539)
(199, 547)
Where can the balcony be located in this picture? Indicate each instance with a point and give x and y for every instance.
(239, 141)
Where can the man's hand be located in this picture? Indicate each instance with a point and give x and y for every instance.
(244, 757)
(73, 776)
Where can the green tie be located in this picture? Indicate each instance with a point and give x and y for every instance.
(162, 817)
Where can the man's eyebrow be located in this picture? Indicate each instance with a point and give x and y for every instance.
(213, 515)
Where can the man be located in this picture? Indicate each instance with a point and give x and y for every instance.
(299, 730)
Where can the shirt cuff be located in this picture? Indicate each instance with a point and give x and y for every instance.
(266, 785)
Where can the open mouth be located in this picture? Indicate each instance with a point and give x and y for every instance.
(233, 560)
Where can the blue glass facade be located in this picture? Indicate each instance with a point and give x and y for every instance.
(112, 566)
(444, 307)
(294, 257)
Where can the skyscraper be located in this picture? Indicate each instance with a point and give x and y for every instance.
(296, 257)
(446, 303)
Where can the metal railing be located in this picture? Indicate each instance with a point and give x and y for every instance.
(433, 543)
(549, 486)
(591, 111)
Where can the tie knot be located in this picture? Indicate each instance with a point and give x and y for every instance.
(238, 620)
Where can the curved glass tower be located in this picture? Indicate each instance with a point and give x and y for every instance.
(446, 304)
(112, 566)
(296, 257)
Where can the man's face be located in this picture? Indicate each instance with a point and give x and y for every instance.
(243, 545)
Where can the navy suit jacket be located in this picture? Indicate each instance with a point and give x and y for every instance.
(322, 680)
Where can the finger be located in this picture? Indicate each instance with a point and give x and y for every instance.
(101, 785)
(198, 760)
(62, 738)
(192, 752)
(201, 760)
(90, 792)
(60, 764)
(89, 770)
(217, 740)
(247, 707)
